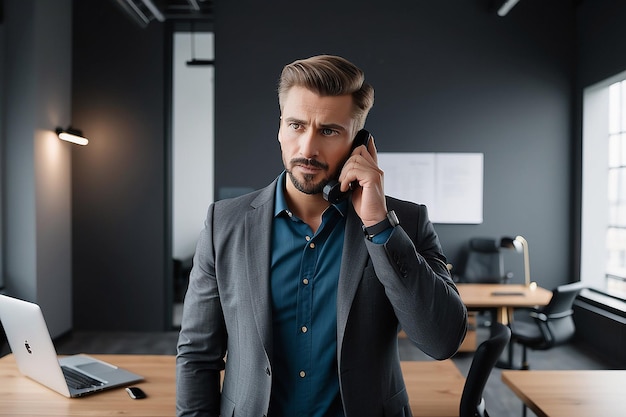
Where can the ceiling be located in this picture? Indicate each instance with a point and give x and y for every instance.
(146, 12)
(200, 12)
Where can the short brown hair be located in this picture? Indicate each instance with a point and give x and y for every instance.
(329, 75)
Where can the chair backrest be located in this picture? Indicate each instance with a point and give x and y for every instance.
(485, 358)
(484, 262)
(555, 319)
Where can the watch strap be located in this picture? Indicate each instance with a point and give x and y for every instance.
(391, 220)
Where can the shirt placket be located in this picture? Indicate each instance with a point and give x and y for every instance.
(303, 316)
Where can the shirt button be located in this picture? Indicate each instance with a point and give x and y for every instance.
(312, 245)
(302, 374)
(307, 238)
(304, 329)
(305, 281)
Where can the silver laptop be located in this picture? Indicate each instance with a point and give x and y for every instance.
(30, 342)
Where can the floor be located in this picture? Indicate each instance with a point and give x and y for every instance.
(499, 399)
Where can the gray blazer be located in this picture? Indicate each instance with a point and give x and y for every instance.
(403, 283)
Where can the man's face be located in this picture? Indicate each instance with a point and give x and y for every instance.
(315, 136)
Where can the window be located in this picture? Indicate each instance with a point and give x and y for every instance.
(192, 139)
(192, 146)
(603, 246)
(616, 228)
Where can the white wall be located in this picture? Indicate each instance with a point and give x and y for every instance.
(192, 140)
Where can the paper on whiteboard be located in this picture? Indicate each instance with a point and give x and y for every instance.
(450, 184)
(409, 176)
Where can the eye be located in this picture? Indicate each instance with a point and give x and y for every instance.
(329, 132)
(295, 126)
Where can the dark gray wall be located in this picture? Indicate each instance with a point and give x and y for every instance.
(36, 216)
(119, 227)
(449, 77)
(601, 33)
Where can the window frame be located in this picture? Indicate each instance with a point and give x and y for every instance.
(596, 222)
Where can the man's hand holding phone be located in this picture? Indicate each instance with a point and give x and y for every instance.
(362, 174)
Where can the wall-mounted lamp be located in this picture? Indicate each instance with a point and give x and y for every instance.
(520, 245)
(72, 135)
(506, 6)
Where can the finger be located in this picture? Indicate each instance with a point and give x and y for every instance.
(371, 148)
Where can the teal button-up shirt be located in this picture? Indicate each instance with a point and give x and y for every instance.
(304, 274)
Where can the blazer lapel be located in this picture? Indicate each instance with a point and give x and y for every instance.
(354, 258)
(258, 229)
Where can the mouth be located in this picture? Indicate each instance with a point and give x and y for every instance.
(307, 169)
(309, 166)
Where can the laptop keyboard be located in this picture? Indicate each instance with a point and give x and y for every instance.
(78, 380)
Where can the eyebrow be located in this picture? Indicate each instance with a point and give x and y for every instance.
(294, 120)
(334, 126)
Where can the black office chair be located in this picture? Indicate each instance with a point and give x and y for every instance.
(484, 263)
(545, 327)
(485, 358)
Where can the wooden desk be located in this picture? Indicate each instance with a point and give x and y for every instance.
(570, 393)
(434, 389)
(21, 396)
(503, 298)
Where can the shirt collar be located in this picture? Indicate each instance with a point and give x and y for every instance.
(280, 203)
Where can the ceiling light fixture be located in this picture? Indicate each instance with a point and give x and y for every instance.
(72, 135)
(141, 11)
(506, 6)
(154, 10)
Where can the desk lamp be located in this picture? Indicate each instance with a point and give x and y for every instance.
(520, 245)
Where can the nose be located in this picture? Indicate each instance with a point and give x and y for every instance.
(308, 144)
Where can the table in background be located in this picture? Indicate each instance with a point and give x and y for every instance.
(503, 298)
(434, 389)
(570, 393)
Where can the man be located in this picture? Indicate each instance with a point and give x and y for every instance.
(301, 300)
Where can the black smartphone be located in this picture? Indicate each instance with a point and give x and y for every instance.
(332, 191)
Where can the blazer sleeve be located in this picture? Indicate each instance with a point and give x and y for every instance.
(412, 268)
(202, 340)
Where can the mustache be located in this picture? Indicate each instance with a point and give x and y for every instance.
(309, 162)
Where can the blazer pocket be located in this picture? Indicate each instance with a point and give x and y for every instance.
(398, 405)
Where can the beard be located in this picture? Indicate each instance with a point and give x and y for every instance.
(306, 184)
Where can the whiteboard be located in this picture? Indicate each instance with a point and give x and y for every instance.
(449, 184)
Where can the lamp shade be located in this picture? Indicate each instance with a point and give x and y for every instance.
(511, 243)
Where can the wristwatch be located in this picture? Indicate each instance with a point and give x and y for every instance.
(390, 221)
